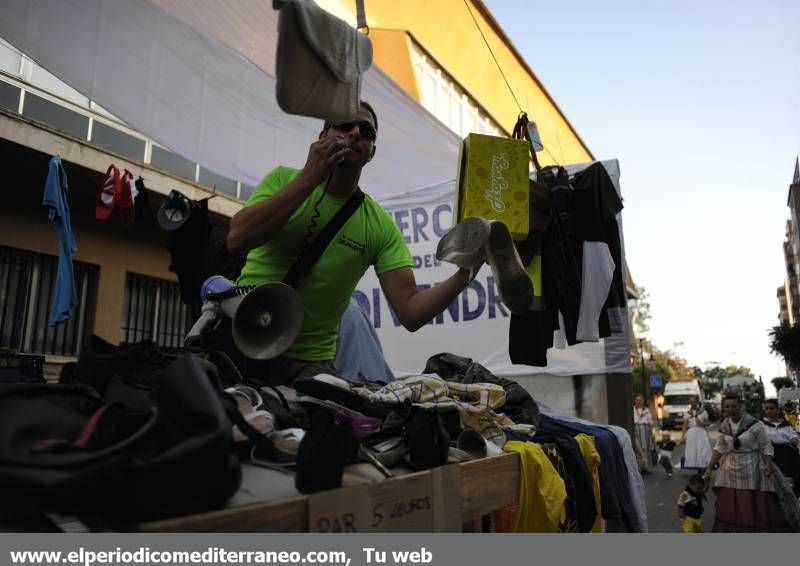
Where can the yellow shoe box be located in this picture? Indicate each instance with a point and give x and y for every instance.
(492, 182)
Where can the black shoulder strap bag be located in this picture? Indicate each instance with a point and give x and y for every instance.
(312, 252)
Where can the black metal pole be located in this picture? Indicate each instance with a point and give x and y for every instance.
(641, 357)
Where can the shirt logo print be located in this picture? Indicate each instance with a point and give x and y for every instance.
(357, 247)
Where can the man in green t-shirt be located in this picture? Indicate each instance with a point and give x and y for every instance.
(290, 206)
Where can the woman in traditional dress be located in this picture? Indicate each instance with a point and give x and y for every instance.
(784, 442)
(697, 453)
(643, 437)
(751, 493)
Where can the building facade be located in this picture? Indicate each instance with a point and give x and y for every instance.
(789, 293)
(451, 72)
(125, 288)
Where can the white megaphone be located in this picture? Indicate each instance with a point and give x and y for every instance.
(265, 321)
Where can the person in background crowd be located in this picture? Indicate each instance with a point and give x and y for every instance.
(643, 434)
(749, 489)
(665, 447)
(785, 442)
(698, 448)
(690, 505)
(790, 411)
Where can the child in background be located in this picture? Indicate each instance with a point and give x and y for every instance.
(690, 505)
(665, 448)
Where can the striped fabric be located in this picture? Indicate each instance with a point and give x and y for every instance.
(475, 402)
(743, 467)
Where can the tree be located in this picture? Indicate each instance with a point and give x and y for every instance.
(713, 376)
(738, 370)
(666, 363)
(782, 382)
(784, 340)
(640, 314)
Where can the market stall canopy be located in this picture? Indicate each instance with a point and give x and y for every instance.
(198, 76)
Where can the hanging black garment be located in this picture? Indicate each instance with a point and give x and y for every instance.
(187, 245)
(596, 204)
(143, 210)
(520, 407)
(198, 250)
(531, 333)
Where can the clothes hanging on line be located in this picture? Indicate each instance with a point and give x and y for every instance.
(581, 267)
(597, 205)
(116, 193)
(197, 243)
(143, 209)
(55, 201)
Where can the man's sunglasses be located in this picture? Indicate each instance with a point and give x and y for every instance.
(365, 129)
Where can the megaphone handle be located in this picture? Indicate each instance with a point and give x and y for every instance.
(203, 324)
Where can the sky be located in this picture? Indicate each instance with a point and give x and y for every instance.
(700, 102)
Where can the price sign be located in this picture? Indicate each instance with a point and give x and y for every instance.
(422, 502)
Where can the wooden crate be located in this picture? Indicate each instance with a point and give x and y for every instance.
(459, 493)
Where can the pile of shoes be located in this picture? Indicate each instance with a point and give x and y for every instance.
(333, 431)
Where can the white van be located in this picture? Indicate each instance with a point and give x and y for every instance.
(676, 401)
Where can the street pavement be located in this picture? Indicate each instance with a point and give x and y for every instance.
(661, 493)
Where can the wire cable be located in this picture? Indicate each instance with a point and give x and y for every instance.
(313, 222)
(466, 3)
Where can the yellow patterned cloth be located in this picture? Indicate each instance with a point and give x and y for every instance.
(475, 402)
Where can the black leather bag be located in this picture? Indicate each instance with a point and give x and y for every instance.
(129, 453)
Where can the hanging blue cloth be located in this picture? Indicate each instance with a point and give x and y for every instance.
(55, 201)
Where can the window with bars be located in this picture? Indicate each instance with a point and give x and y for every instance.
(27, 290)
(152, 310)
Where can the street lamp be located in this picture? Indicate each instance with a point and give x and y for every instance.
(645, 391)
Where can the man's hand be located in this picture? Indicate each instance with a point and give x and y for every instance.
(323, 156)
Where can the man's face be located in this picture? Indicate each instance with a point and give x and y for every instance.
(356, 134)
